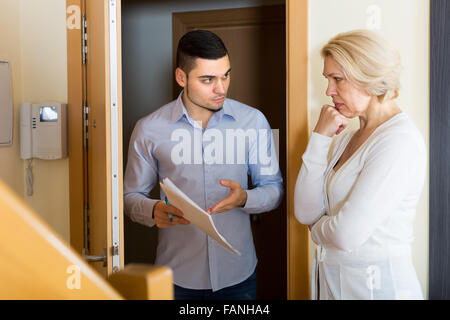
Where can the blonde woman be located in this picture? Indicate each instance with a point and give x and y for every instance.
(359, 195)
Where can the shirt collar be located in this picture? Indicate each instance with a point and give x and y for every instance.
(228, 109)
(179, 110)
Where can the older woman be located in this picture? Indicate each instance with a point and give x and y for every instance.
(358, 195)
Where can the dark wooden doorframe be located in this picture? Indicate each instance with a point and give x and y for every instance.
(439, 225)
(270, 230)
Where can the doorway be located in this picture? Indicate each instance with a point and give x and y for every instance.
(257, 51)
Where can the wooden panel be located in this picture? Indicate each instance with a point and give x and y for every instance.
(297, 139)
(40, 265)
(99, 150)
(144, 282)
(75, 123)
(439, 245)
(90, 172)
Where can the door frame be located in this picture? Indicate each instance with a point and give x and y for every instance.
(299, 273)
(271, 253)
(111, 118)
(299, 264)
(297, 135)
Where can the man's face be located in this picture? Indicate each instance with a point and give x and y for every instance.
(207, 84)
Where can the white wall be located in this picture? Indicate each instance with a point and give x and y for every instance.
(33, 38)
(405, 24)
(44, 74)
(11, 169)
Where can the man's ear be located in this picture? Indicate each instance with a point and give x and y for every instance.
(180, 77)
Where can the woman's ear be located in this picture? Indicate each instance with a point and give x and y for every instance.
(180, 77)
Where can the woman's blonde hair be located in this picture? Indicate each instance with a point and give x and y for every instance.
(368, 61)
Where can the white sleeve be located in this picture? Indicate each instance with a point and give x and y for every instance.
(391, 168)
(309, 199)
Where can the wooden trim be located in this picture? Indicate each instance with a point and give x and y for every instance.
(439, 230)
(120, 133)
(75, 130)
(297, 140)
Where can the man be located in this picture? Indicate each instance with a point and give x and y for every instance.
(192, 141)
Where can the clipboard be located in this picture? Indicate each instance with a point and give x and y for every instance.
(194, 213)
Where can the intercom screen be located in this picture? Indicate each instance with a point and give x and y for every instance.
(48, 114)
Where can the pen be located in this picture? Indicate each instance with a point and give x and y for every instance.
(170, 215)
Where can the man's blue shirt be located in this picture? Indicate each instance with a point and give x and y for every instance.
(236, 143)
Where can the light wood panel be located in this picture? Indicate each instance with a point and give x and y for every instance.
(297, 139)
(40, 265)
(91, 173)
(140, 281)
(75, 123)
(36, 263)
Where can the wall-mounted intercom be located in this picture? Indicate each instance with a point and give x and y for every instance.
(43, 130)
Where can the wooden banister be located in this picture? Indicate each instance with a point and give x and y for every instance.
(144, 282)
(35, 263)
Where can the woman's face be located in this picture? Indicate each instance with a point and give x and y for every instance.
(350, 100)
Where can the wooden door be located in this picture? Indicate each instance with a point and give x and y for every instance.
(97, 169)
(255, 39)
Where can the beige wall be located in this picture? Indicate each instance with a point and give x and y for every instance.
(11, 168)
(405, 24)
(33, 39)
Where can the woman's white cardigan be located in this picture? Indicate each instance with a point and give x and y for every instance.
(361, 216)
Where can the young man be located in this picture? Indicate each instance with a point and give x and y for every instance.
(207, 145)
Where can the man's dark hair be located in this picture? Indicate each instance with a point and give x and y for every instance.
(199, 44)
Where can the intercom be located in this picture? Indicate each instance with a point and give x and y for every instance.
(43, 130)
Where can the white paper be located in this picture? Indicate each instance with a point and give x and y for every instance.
(194, 213)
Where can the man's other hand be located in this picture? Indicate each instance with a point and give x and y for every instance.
(236, 198)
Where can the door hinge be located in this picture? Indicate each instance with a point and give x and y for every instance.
(84, 36)
(86, 227)
(85, 126)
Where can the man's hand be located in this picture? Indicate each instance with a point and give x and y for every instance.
(236, 198)
(161, 213)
